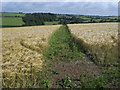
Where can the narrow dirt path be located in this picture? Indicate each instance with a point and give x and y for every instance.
(73, 69)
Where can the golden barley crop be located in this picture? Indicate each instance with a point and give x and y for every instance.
(22, 54)
(100, 39)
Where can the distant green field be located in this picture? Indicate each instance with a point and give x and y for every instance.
(0, 21)
(15, 19)
(115, 17)
(51, 23)
(11, 21)
(12, 14)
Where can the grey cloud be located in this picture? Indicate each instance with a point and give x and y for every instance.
(82, 8)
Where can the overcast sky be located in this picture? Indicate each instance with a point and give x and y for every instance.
(81, 8)
(60, 0)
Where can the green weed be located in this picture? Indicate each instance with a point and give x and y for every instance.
(61, 46)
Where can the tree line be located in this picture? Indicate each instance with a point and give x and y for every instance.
(38, 18)
(32, 19)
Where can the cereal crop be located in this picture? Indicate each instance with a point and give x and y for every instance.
(22, 52)
(101, 39)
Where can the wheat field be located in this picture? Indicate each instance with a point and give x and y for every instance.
(104, 33)
(100, 39)
(22, 50)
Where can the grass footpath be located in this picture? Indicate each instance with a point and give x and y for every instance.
(61, 46)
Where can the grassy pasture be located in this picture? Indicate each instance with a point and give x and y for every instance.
(113, 17)
(11, 14)
(12, 21)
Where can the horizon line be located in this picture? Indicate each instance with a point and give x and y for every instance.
(61, 13)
